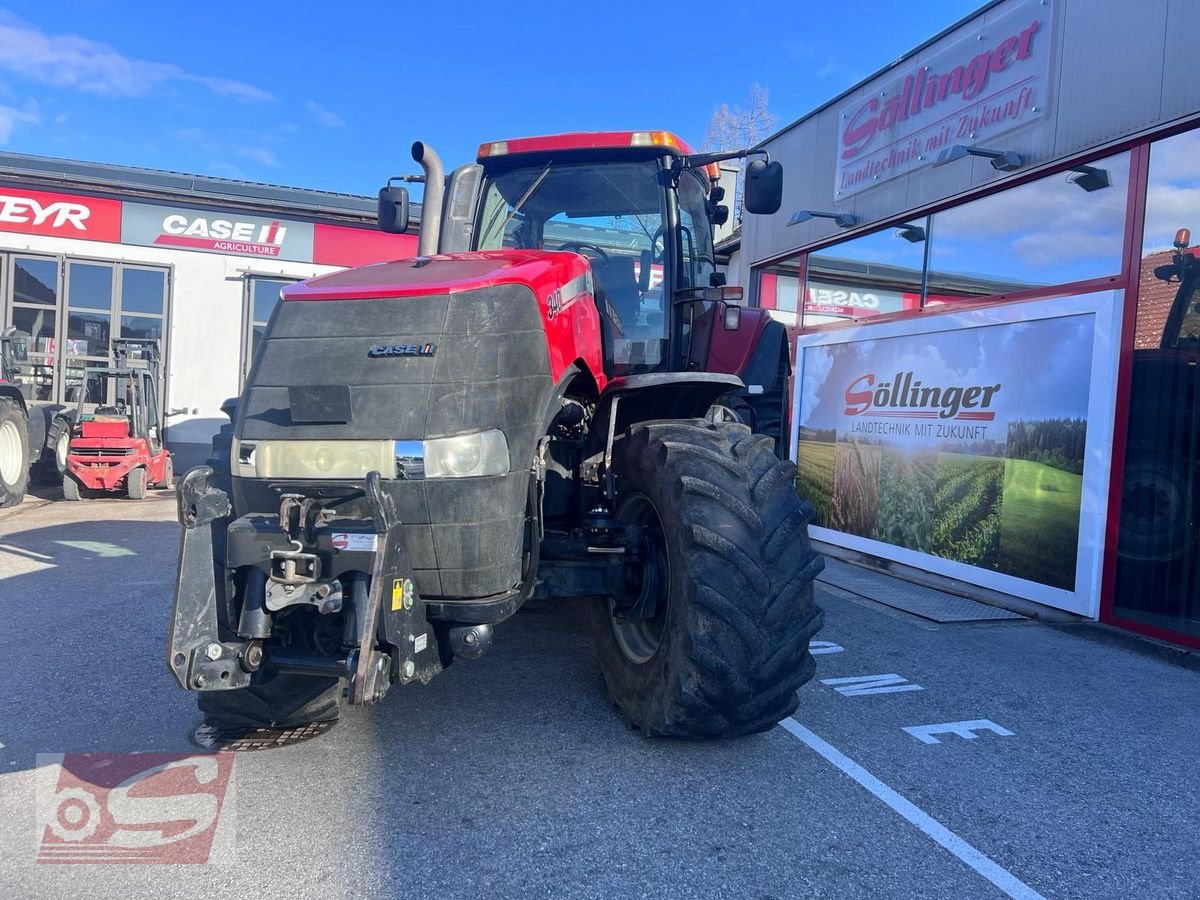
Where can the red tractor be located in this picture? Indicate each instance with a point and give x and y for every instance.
(115, 440)
(536, 407)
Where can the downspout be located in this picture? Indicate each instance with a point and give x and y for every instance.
(431, 201)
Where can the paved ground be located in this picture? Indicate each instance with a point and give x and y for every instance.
(513, 776)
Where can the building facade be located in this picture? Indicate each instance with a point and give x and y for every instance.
(90, 253)
(984, 252)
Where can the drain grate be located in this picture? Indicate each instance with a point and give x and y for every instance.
(911, 598)
(244, 740)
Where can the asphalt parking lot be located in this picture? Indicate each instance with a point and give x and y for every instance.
(512, 776)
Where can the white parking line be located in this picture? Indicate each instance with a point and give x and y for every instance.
(996, 874)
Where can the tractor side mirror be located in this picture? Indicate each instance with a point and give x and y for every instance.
(393, 208)
(764, 187)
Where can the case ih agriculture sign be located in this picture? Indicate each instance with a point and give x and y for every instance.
(217, 232)
(968, 93)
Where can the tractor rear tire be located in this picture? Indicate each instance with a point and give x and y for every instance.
(70, 488)
(135, 483)
(279, 701)
(14, 453)
(730, 563)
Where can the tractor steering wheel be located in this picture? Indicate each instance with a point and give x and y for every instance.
(578, 246)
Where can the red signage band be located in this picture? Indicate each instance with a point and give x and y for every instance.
(344, 245)
(59, 215)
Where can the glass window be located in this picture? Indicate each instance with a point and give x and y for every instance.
(872, 275)
(143, 291)
(779, 288)
(147, 328)
(88, 333)
(699, 260)
(35, 281)
(89, 286)
(1158, 546)
(610, 212)
(262, 296)
(1059, 229)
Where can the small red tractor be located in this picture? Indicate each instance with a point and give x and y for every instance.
(116, 438)
(558, 398)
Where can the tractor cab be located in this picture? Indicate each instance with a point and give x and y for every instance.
(116, 440)
(640, 205)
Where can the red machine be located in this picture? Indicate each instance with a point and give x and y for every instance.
(116, 443)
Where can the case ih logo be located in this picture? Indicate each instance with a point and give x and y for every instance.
(906, 398)
(381, 351)
(222, 234)
(60, 215)
(133, 807)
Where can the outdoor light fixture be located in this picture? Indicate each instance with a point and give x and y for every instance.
(1090, 178)
(843, 220)
(914, 234)
(1002, 160)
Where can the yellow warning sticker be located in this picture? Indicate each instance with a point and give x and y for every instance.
(397, 594)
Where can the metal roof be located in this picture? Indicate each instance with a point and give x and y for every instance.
(181, 186)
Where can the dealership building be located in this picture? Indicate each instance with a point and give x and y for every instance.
(90, 253)
(982, 251)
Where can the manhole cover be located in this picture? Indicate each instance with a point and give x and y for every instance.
(244, 740)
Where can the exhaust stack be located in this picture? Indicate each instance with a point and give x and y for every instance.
(431, 201)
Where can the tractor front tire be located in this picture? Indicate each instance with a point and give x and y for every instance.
(730, 566)
(135, 484)
(14, 453)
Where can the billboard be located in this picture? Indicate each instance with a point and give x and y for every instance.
(964, 444)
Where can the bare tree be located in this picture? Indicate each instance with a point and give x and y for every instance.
(732, 128)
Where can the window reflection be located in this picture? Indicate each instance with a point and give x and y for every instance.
(873, 275)
(1063, 228)
(1158, 551)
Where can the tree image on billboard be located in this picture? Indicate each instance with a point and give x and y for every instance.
(967, 445)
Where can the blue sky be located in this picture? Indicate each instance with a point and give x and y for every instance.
(331, 95)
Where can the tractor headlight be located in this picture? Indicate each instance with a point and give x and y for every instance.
(467, 455)
(313, 459)
(462, 456)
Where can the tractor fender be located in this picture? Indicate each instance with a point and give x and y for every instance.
(657, 396)
(11, 392)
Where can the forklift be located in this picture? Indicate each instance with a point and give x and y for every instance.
(116, 436)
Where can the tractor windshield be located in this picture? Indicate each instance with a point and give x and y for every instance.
(610, 212)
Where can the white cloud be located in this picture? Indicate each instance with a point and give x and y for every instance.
(10, 117)
(324, 116)
(259, 155)
(70, 61)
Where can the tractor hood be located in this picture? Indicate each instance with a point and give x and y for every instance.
(450, 273)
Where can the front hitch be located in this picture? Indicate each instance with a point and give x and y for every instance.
(196, 655)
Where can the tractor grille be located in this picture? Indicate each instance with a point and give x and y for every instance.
(101, 451)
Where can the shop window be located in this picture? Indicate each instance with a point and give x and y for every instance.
(262, 294)
(779, 288)
(67, 311)
(1158, 548)
(872, 275)
(1060, 229)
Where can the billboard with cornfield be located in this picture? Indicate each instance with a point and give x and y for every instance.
(968, 445)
